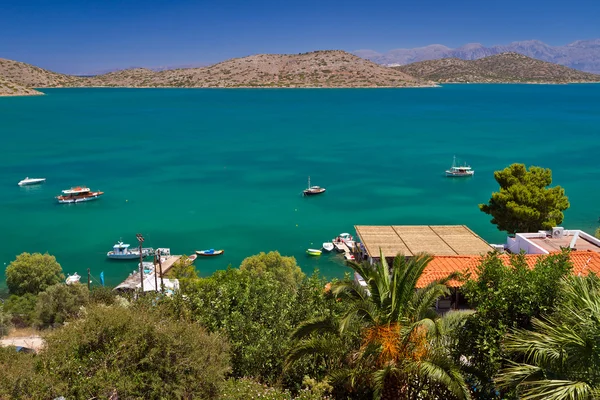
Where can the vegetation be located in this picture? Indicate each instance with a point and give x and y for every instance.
(559, 357)
(32, 273)
(283, 269)
(505, 297)
(60, 302)
(402, 351)
(524, 202)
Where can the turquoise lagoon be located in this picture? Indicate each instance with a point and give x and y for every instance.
(192, 169)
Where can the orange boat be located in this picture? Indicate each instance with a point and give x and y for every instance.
(77, 195)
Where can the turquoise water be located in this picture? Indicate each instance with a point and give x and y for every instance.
(192, 169)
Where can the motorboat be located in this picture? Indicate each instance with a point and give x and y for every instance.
(313, 252)
(345, 238)
(71, 279)
(122, 251)
(192, 257)
(312, 190)
(209, 253)
(31, 181)
(77, 195)
(328, 246)
(459, 171)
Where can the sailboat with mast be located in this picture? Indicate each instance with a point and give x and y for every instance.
(312, 190)
(459, 171)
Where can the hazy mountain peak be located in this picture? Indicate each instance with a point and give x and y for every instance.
(583, 55)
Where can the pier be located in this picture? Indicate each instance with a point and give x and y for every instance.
(132, 282)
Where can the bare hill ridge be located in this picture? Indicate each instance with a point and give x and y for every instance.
(506, 67)
(8, 88)
(327, 69)
(331, 68)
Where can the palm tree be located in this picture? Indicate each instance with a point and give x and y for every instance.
(560, 356)
(403, 349)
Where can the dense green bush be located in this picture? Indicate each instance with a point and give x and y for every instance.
(59, 302)
(505, 297)
(244, 389)
(32, 273)
(21, 309)
(5, 321)
(136, 353)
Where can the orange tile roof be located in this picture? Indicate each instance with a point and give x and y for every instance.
(440, 267)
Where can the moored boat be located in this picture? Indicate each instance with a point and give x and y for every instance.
(209, 253)
(77, 195)
(31, 181)
(192, 257)
(121, 251)
(313, 190)
(71, 279)
(459, 171)
(328, 246)
(313, 252)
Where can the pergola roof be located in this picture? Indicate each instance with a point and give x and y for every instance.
(437, 240)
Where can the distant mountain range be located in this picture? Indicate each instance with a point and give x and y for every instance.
(499, 68)
(583, 55)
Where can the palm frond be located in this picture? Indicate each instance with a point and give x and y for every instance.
(555, 390)
(319, 325)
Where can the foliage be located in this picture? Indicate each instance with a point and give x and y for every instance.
(19, 378)
(403, 351)
(283, 269)
(135, 353)
(559, 357)
(5, 321)
(257, 315)
(597, 233)
(22, 309)
(183, 270)
(102, 295)
(60, 302)
(524, 202)
(32, 273)
(243, 389)
(505, 297)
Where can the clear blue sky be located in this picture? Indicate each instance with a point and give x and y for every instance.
(89, 36)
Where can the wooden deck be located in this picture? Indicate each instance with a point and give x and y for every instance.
(132, 282)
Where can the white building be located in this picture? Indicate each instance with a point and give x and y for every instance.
(546, 242)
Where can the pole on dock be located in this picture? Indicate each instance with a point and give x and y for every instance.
(89, 280)
(162, 283)
(140, 239)
(155, 273)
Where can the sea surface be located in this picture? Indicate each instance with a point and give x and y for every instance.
(193, 169)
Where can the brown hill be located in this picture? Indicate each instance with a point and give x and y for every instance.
(8, 88)
(34, 77)
(316, 69)
(500, 68)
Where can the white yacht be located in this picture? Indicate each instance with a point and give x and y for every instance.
(459, 171)
(121, 251)
(31, 181)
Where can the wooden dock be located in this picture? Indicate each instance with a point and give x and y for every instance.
(132, 282)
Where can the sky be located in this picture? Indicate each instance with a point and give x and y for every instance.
(84, 37)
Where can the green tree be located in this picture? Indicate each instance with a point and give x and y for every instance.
(403, 351)
(5, 321)
(32, 273)
(559, 357)
(505, 297)
(60, 302)
(183, 270)
(21, 309)
(283, 269)
(257, 315)
(597, 233)
(135, 352)
(524, 202)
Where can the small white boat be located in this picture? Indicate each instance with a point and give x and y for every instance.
(31, 181)
(328, 246)
(121, 251)
(459, 171)
(313, 252)
(71, 279)
(349, 257)
(192, 257)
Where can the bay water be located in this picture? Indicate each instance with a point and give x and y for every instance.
(193, 169)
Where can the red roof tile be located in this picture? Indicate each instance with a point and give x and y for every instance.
(440, 267)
